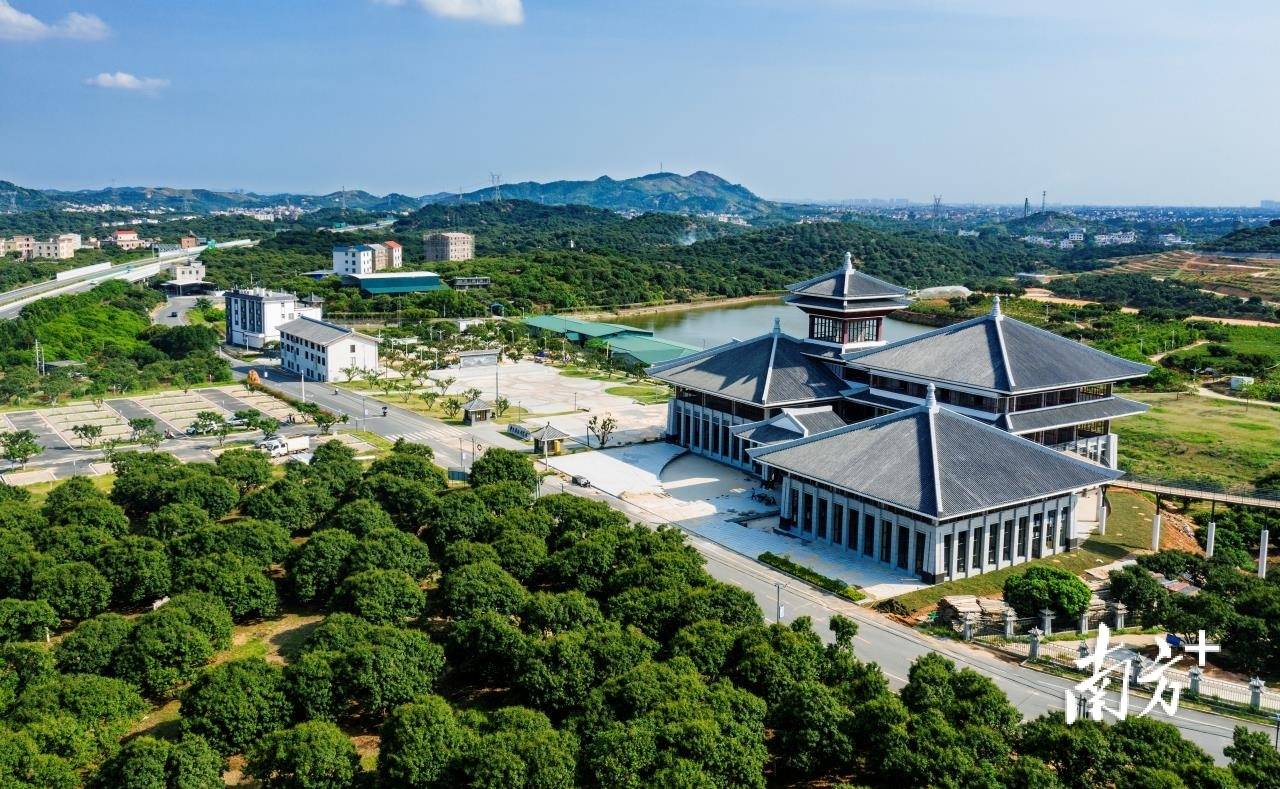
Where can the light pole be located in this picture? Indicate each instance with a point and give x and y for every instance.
(779, 608)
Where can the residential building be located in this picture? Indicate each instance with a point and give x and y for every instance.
(1076, 235)
(24, 246)
(971, 447)
(395, 254)
(449, 246)
(62, 247)
(967, 233)
(188, 242)
(322, 351)
(1066, 243)
(255, 315)
(1170, 239)
(354, 259)
(188, 274)
(127, 238)
(380, 256)
(394, 282)
(1115, 239)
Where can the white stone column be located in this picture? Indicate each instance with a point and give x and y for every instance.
(845, 526)
(999, 542)
(1102, 511)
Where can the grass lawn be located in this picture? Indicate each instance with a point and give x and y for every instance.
(1200, 438)
(1128, 529)
(648, 395)
(40, 490)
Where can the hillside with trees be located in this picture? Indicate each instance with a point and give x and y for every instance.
(1249, 239)
(1159, 295)
(108, 334)
(558, 257)
(467, 637)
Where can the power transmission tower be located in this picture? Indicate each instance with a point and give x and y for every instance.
(1026, 207)
(1043, 193)
(495, 180)
(39, 358)
(937, 210)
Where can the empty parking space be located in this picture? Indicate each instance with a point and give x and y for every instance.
(130, 409)
(179, 409)
(45, 433)
(66, 418)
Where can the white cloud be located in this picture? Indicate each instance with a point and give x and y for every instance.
(493, 12)
(124, 81)
(18, 25)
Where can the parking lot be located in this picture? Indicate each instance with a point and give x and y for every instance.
(566, 402)
(170, 412)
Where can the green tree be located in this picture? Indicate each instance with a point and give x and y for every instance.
(20, 446)
(87, 433)
(359, 517)
(234, 705)
(419, 741)
(244, 467)
(391, 549)
(26, 620)
(148, 763)
(237, 580)
(318, 565)
(137, 568)
(165, 650)
(75, 590)
(481, 586)
(503, 465)
(173, 520)
(1046, 587)
(311, 755)
(380, 596)
(91, 648)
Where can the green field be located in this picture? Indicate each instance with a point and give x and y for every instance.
(1128, 529)
(1199, 438)
(648, 395)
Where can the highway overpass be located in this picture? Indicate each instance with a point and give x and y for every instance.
(12, 302)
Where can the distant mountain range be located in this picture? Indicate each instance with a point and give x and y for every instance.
(699, 192)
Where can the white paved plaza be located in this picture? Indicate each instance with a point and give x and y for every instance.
(714, 501)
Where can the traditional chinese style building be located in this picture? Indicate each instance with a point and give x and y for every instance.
(961, 450)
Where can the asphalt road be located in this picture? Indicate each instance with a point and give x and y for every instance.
(886, 642)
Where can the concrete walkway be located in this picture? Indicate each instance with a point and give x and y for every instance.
(714, 501)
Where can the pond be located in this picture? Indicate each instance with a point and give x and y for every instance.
(705, 327)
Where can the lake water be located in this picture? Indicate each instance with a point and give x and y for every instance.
(704, 327)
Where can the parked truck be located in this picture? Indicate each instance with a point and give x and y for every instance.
(278, 446)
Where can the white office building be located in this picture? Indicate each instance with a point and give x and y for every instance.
(254, 315)
(354, 259)
(323, 351)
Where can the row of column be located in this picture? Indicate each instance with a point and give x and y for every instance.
(948, 551)
(849, 529)
(706, 432)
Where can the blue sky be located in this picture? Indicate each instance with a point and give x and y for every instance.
(976, 100)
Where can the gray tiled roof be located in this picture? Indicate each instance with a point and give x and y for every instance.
(997, 353)
(850, 305)
(771, 369)
(789, 424)
(1073, 414)
(548, 432)
(937, 463)
(312, 330)
(846, 282)
(476, 404)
